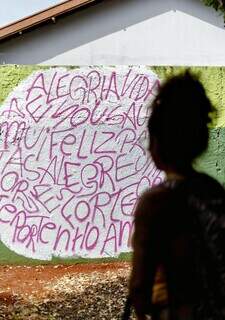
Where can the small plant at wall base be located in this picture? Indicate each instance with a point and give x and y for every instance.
(218, 5)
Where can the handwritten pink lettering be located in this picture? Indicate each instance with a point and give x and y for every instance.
(74, 160)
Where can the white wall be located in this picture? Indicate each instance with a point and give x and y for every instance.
(74, 160)
(156, 32)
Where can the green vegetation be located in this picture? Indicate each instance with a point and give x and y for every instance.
(218, 5)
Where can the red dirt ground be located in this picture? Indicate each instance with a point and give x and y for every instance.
(31, 280)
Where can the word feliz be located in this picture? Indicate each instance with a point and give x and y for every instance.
(71, 143)
(130, 121)
(81, 192)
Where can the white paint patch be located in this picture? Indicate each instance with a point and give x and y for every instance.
(74, 160)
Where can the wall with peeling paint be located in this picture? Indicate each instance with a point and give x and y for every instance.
(74, 157)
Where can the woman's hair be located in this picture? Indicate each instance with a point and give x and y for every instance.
(179, 121)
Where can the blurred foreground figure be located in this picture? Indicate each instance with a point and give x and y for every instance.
(180, 224)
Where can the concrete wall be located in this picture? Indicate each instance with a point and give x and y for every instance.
(156, 32)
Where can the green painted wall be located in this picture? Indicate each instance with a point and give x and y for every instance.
(213, 79)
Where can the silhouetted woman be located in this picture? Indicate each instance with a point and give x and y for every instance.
(179, 225)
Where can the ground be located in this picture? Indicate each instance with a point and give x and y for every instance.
(84, 291)
(68, 292)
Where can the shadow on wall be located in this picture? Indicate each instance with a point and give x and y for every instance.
(96, 22)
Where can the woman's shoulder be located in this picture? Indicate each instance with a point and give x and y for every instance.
(174, 192)
(205, 186)
(154, 200)
(156, 192)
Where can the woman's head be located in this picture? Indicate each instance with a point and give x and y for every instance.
(178, 124)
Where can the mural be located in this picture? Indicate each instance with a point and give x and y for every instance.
(73, 156)
(73, 160)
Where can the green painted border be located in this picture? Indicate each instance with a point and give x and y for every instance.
(8, 257)
(212, 162)
(12, 75)
(213, 79)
